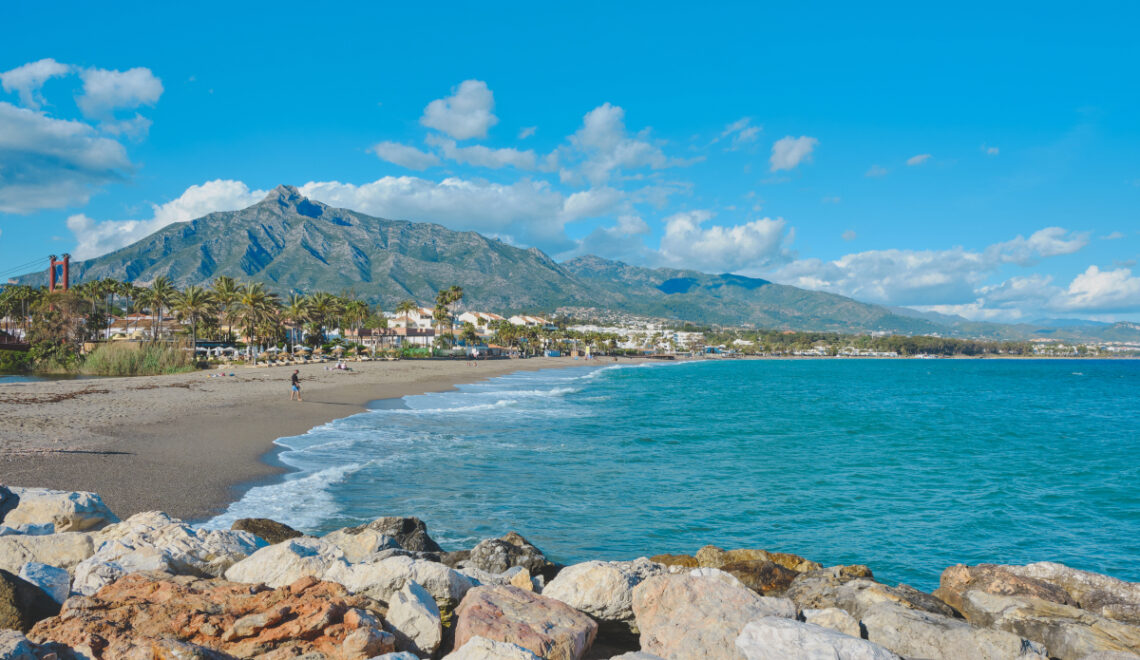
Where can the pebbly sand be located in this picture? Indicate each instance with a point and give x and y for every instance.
(186, 443)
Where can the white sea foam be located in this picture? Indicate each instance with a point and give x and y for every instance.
(302, 502)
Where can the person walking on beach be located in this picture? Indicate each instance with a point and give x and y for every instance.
(296, 386)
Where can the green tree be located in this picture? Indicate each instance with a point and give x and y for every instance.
(226, 294)
(193, 305)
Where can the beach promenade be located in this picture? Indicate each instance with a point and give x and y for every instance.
(183, 443)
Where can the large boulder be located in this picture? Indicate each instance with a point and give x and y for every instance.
(774, 638)
(414, 618)
(834, 618)
(15, 646)
(920, 634)
(382, 579)
(360, 545)
(763, 576)
(602, 589)
(1068, 632)
(8, 501)
(481, 648)
(547, 627)
(92, 574)
(63, 550)
(190, 551)
(53, 580)
(270, 531)
(837, 587)
(992, 579)
(684, 561)
(410, 533)
(700, 614)
(22, 603)
(711, 556)
(156, 616)
(504, 553)
(284, 563)
(69, 511)
(1104, 595)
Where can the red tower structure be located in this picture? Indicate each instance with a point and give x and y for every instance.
(52, 273)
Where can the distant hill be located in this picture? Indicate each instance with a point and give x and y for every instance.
(294, 244)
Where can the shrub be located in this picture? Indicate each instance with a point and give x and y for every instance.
(146, 360)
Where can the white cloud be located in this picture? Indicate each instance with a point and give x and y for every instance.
(1097, 290)
(106, 90)
(404, 155)
(849, 235)
(990, 151)
(751, 246)
(94, 238)
(27, 80)
(788, 152)
(591, 203)
(917, 160)
(481, 156)
(741, 131)
(465, 114)
(527, 131)
(925, 277)
(876, 171)
(525, 212)
(1047, 242)
(53, 163)
(605, 148)
(1114, 236)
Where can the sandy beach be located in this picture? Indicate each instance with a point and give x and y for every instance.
(187, 443)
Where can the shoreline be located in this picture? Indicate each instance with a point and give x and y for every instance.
(190, 444)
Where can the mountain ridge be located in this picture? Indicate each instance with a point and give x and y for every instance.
(294, 244)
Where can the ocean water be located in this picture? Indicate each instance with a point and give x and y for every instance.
(908, 466)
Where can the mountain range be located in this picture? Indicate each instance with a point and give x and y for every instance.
(294, 244)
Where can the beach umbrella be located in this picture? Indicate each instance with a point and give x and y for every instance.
(304, 349)
(273, 349)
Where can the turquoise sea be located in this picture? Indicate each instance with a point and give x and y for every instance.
(907, 466)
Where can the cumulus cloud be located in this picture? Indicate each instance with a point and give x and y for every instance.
(849, 235)
(481, 156)
(740, 131)
(527, 131)
(917, 160)
(750, 246)
(1101, 291)
(604, 148)
(94, 238)
(788, 152)
(29, 79)
(107, 90)
(465, 114)
(926, 277)
(1114, 236)
(591, 203)
(404, 155)
(53, 163)
(875, 171)
(525, 212)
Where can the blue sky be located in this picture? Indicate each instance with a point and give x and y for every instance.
(983, 160)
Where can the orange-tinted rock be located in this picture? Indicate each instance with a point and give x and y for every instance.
(145, 611)
(766, 578)
(688, 561)
(996, 580)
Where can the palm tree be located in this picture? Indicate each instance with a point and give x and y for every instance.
(226, 293)
(255, 308)
(323, 307)
(295, 312)
(194, 304)
(443, 301)
(162, 293)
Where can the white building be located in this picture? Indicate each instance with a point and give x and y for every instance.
(481, 320)
(531, 321)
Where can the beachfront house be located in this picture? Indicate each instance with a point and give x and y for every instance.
(391, 337)
(421, 318)
(483, 321)
(143, 326)
(531, 322)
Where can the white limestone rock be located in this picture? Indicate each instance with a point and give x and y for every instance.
(68, 511)
(53, 580)
(414, 618)
(834, 618)
(481, 648)
(775, 638)
(382, 579)
(919, 634)
(602, 589)
(284, 563)
(360, 544)
(63, 550)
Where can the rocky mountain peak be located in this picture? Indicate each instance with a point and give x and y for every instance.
(289, 198)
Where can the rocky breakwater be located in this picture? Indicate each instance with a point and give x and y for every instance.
(77, 582)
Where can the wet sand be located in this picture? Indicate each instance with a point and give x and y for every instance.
(187, 443)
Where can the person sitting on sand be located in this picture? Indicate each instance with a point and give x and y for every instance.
(296, 386)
